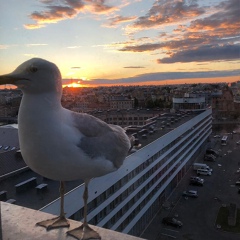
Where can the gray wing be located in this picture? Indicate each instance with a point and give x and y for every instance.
(102, 139)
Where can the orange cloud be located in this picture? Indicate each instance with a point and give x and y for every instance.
(34, 26)
(212, 36)
(167, 12)
(98, 7)
(114, 21)
(53, 13)
(4, 47)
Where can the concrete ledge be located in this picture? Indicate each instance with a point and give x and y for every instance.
(19, 223)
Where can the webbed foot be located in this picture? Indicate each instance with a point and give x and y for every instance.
(57, 222)
(84, 232)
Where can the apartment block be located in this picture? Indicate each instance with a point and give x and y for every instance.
(121, 102)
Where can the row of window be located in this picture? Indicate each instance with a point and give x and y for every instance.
(125, 124)
(122, 102)
(189, 105)
(126, 118)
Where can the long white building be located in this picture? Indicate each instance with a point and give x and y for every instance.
(128, 199)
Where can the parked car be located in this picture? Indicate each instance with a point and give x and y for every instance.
(237, 183)
(212, 152)
(172, 221)
(209, 157)
(196, 181)
(190, 193)
(204, 172)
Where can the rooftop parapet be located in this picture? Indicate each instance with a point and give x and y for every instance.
(19, 223)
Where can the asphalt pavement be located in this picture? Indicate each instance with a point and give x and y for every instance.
(199, 215)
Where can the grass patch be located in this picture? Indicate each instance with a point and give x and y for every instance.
(222, 220)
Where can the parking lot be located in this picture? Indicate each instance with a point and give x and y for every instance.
(199, 214)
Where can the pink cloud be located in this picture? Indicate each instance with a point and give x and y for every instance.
(53, 13)
(114, 21)
(168, 12)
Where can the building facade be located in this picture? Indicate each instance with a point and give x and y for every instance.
(190, 102)
(128, 199)
(121, 102)
(223, 104)
(123, 118)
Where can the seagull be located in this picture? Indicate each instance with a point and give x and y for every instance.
(60, 144)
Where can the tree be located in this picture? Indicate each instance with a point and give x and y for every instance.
(135, 102)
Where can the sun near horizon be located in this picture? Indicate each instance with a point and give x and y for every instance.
(73, 85)
(77, 83)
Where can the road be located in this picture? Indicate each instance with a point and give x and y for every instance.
(199, 215)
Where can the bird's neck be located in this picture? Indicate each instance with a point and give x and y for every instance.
(33, 106)
(47, 101)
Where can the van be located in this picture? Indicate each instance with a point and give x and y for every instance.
(206, 172)
(197, 166)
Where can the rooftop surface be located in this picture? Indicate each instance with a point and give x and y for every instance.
(8, 138)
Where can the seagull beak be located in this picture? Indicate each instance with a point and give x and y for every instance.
(10, 78)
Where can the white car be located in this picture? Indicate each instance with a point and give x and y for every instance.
(206, 172)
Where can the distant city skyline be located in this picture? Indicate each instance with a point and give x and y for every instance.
(123, 42)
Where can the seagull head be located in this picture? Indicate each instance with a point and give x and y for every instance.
(35, 76)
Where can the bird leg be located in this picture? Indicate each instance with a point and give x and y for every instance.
(84, 232)
(60, 221)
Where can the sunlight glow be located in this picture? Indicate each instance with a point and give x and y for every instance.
(75, 84)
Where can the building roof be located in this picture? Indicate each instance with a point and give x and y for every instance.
(8, 138)
(10, 161)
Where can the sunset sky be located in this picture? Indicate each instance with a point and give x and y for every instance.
(125, 41)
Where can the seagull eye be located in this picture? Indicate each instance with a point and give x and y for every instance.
(33, 69)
